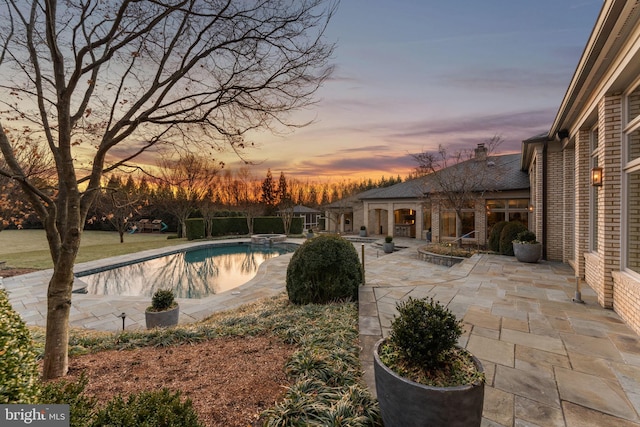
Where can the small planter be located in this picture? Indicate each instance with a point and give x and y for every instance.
(363, 233)
(162, 319)
(387, 247)
(527, 252)
(405, 403)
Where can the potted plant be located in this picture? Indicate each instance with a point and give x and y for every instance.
(388, 244)
(526, 248)
(422, 376)
(363, 231)
(309, 233)
(163, 311)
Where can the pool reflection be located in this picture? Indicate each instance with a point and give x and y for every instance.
(193, 274)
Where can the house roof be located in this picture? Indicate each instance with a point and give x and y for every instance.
(618, 19)
(504, 174)
(301, 209)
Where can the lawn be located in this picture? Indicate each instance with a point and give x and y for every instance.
(29, 248)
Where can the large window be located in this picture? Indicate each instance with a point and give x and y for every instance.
(593, 238)
(633, 221)
(631, 201)
(507, 210)
(448, 224)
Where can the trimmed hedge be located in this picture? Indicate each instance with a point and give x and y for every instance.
(494, 236)
(195, 228)
(19, 382)
(508, 235)
(324, 269)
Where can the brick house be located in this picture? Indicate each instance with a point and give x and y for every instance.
(416, 208)
(585, 173)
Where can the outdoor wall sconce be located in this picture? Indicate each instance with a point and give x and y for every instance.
(596, 176)
(531, 207)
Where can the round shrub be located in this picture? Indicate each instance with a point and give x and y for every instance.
(149, 408)
(424, 331)
(19, 382)
(494, 236)
(526, 237)
(322, 270)
(508, 235)
(162, 300)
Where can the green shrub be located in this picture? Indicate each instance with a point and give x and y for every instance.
(148, 409)
(19, 381)
(508, 235)
(322, 270)
(162, 300)
(195, 228)
(526, 237)
(424, 331)
(82, 408)
(388, 239)
(494, 236)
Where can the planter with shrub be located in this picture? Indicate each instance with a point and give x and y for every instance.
(363, 231)
(422, 376)
(388, 245)
(526, 248)
(163, 311)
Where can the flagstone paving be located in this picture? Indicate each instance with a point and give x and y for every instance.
(548, 361)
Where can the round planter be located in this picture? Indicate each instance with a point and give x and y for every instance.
(363, 233)
(527, 252)
(404, 403)
(161, 319)
(387, 247)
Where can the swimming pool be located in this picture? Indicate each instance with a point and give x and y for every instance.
(194, 273)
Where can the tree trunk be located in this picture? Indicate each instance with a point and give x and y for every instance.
(56, 360)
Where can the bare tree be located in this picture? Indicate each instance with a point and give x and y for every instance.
(105, 82)
(186, 182)
(460, 178)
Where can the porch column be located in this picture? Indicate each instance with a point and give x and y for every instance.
(581, 201)
(390, 219)
(365, 206)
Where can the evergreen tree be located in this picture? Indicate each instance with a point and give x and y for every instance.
(268, 196)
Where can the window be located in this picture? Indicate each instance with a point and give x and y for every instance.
(448, 224)
(593, 238)
(506, 210)
(633, 221)
(631, 197)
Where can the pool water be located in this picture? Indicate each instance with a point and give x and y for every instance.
(195, 273)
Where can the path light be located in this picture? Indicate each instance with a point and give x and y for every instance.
(124, 316)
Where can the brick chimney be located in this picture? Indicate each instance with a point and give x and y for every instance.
(481, 152)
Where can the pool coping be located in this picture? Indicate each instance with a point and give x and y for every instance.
(27, 293)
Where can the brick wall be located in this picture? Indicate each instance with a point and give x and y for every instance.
(581, 197)
(555, 205)
(568, 218)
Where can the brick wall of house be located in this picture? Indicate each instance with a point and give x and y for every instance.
(626, 299)
(555, 204)
(568, 217)
(607, 259)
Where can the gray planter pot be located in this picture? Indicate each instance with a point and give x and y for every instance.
(161, 319)
(527, 252)
(363, 233)
(387, 247)
(404, 403)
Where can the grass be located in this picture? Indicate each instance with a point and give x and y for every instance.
(29, 248)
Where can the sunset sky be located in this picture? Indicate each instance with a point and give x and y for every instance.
(413, 74)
